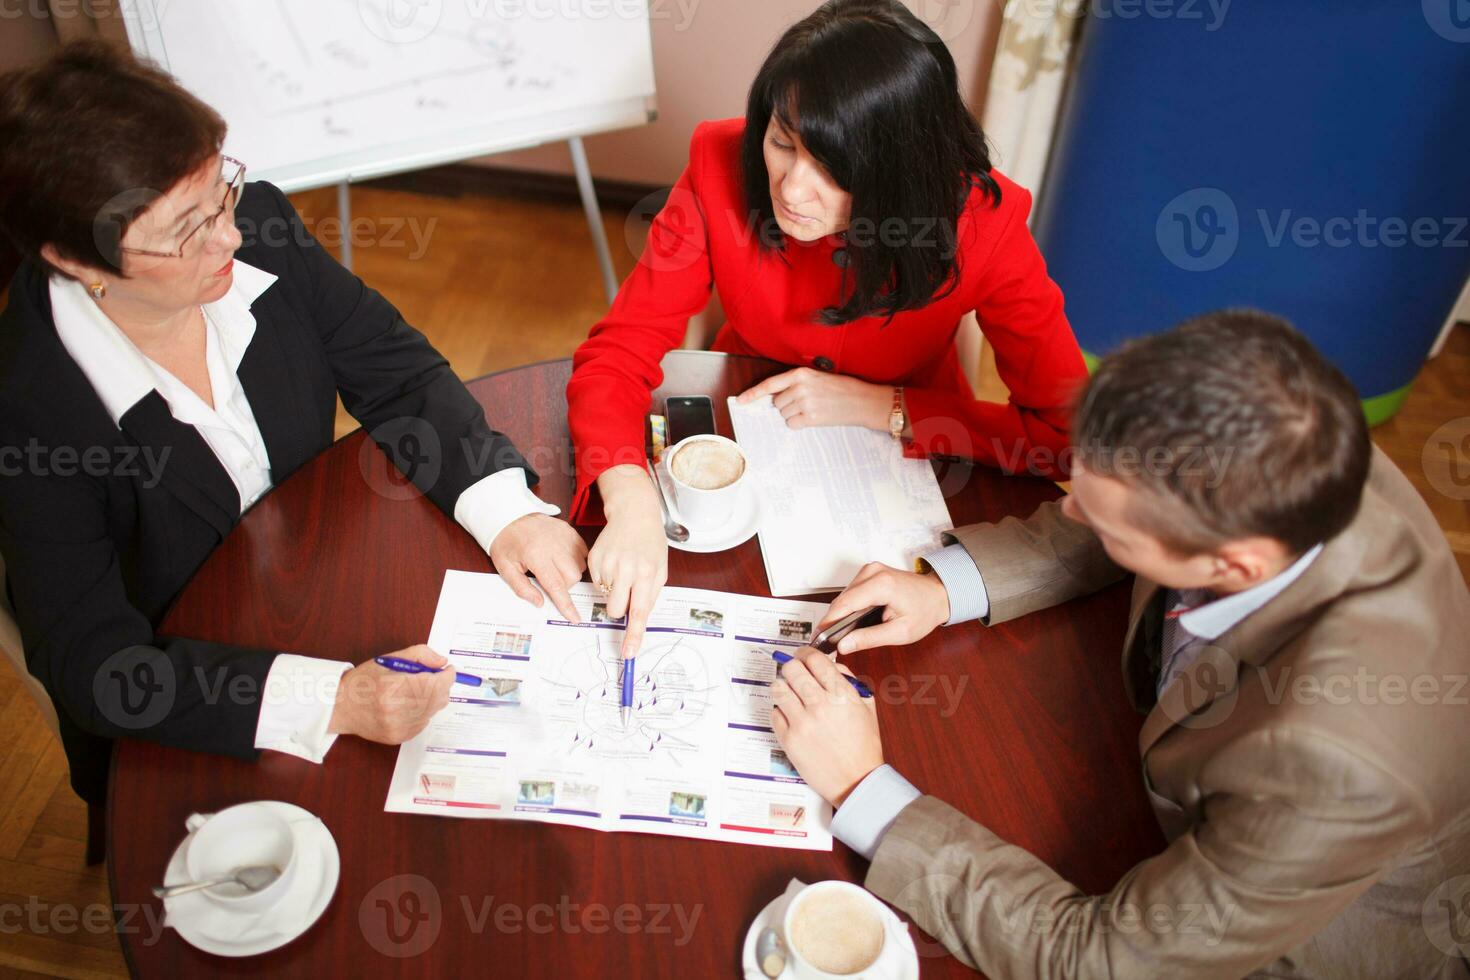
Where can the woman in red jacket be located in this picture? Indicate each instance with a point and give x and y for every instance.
(848, 222)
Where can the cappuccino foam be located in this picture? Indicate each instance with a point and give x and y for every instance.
(708, 465)
(836, 932)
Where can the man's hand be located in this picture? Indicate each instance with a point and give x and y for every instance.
(383, 705)
(829, 732)
(807, 397)
(549, 549)
(915, 606)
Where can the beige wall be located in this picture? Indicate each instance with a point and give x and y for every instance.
(24, 38)
(705, 56)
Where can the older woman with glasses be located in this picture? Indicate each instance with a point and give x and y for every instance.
(159, 374)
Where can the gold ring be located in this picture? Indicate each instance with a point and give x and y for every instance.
(603, 587)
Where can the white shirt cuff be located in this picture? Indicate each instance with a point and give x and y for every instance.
(962, 580)
(297, 707)
(871, 808)
(486, 508)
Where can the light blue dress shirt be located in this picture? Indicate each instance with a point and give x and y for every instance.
(967, 596)
(871, 808)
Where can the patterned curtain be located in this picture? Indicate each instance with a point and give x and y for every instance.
(1031, 63)
(1029, 74)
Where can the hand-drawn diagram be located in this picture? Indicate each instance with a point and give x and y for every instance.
(672, 687)
(334, 62)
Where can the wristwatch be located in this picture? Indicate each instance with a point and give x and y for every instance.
(896, 421)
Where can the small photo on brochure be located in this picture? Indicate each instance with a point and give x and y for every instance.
(600, 614)
(687, 805)
(516, 643)
(780, 765)
(707, 620)
(437, 784)
(536, 792)
(506, 689)
(794, 629)
(786, 815)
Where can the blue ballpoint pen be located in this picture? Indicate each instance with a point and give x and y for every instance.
(414, 667)
(626, 698)
(857, 685)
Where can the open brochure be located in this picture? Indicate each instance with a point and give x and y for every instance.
(542, 737)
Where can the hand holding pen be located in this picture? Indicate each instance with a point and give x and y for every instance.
(913, 606)
(828, 639)
(863, 690)
(387, 705)
(403, 666)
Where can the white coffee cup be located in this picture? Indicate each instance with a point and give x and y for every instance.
(854, 927)
(700, 509)
(241, 836)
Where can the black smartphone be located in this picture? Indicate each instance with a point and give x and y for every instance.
(689, 415)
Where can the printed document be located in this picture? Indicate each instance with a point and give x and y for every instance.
(835, 498)
(542, 737)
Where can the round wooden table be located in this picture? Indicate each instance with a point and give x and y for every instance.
(1025, 726)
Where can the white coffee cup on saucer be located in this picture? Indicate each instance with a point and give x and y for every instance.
(242, 836)
(836, 930)
(707, 494)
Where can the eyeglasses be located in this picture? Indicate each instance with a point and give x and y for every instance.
(232, 175)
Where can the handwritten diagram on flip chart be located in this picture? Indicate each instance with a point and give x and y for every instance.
(329, 90)
(543, 739)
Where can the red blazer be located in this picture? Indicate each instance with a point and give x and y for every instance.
(702, 238)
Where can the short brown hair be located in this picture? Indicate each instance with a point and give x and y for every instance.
(89, 139)
(1233, 425)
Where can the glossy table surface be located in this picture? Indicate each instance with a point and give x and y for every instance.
(1024, 726)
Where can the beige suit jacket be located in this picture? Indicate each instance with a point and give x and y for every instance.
(1311, 772)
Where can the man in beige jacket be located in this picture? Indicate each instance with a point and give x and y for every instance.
(1299, 639)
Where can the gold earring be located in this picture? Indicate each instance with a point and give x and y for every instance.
(98, 290)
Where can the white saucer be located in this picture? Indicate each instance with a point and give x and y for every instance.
(740, 528)
(771, 916)
(319, 870)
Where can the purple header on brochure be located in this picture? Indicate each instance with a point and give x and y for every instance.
(769, 779)
(556, 809)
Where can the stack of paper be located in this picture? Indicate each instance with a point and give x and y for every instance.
(834, 499)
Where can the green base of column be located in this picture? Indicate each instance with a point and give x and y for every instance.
(1378, 409)
(1385, 407)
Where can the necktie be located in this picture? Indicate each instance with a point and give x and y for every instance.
(1180, 647)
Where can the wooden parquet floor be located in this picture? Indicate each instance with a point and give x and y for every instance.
(497, 283)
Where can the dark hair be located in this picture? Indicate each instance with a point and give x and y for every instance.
(874, 94)
(1238, 418)
(88, 140)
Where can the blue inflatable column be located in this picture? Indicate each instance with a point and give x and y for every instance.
(1306, 158)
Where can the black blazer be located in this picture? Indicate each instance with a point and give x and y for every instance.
(98, 537)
